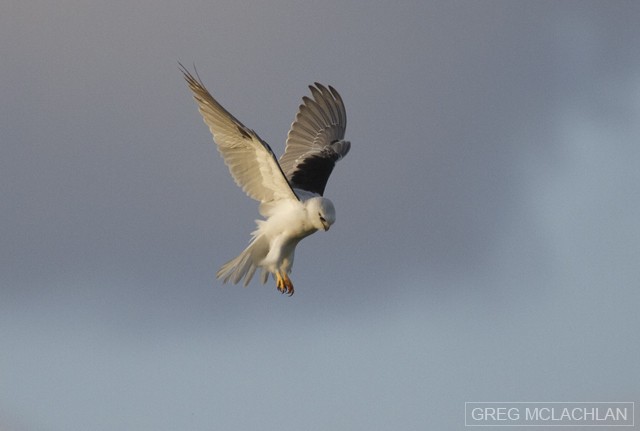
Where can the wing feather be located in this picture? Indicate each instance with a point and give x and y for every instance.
(251, 161)
(316, 140)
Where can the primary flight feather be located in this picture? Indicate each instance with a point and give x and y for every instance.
(290, 191)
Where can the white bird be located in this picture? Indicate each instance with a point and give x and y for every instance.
(289, 191)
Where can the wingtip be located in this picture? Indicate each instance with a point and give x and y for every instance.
(318, 86)
(190, 78)
(183, 69)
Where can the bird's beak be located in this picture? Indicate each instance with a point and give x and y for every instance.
(326, 226)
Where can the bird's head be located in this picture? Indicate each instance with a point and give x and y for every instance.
(321, 213)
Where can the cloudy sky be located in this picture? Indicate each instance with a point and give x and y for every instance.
(487, 240)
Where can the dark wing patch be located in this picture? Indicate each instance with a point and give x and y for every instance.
(316, 140)
(313, 172)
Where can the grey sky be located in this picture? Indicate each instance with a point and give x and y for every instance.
(486, 242)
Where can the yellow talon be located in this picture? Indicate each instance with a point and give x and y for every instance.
(284, 284)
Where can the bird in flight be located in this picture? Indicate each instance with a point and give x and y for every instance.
(290, 190)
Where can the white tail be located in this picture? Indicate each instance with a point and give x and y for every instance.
(245, 265)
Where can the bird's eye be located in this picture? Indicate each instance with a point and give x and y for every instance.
(322, 219)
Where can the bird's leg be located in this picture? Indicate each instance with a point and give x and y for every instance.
(284, 284)
(288, 284)
(279, 283)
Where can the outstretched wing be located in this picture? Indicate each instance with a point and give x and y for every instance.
(316, 140)
(251, 161)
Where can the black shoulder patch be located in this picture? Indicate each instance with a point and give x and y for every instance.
(313, 172)
(243, 132)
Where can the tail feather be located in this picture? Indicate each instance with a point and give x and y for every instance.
(246, 263)
(264, 275)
